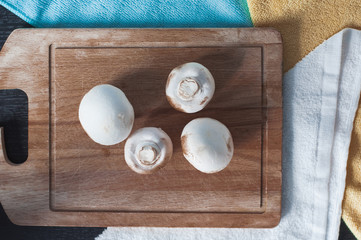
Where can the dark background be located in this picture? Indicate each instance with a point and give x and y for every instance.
(13, 117)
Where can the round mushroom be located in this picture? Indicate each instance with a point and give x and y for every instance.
(207, 144)
(190, 87)
(147, 150)
(106, 115)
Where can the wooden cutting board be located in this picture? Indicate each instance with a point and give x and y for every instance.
(69, 180)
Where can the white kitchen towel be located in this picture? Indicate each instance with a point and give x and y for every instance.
(320, 97)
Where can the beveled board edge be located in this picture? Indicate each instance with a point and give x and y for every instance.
(24, 191)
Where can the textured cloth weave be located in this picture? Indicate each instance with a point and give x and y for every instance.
(131, 13)
(304, 25)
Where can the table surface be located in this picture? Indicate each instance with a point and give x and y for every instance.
(12, 116)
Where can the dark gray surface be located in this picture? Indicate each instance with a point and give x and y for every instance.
(13, 116)
(14, 119)
(9, 22)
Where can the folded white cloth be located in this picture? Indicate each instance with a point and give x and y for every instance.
(321, 95)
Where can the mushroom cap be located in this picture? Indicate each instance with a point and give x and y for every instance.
(106, 115)
(207, 144)
(147, 150)
(190, 87)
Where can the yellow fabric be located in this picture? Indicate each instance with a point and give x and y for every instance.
(305, 24)
(352, 198)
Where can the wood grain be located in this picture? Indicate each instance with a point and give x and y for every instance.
(69, 180)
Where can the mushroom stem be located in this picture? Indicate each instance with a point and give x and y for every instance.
(147, 152)
(187, 88)
(190, 87)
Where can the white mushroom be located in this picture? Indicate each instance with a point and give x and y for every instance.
(207, 144)
(190, 87)
(106, 115)
(147, 150)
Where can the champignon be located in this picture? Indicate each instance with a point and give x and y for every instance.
(207, 144)
(190, 87)
(106, 114)
(147, 150)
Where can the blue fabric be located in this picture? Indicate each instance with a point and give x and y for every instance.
(132, 13)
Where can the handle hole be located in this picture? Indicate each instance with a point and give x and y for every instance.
(14, 119)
